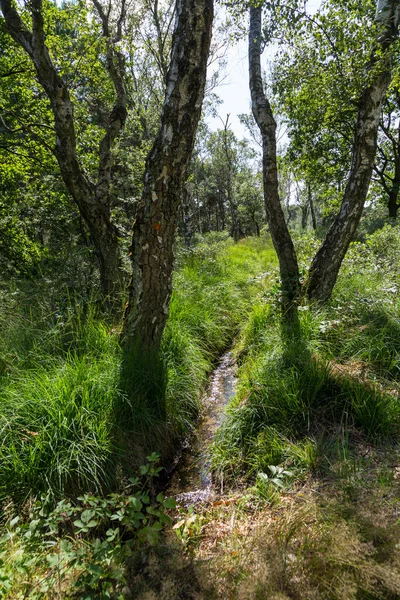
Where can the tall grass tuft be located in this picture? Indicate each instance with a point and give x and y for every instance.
(337, 369)
(56, 425)
(74, 408)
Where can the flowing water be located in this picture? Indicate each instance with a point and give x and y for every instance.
(192, 479)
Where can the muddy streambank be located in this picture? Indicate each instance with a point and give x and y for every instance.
(191, 481)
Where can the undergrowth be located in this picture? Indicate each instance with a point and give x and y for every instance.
(69, 417)
(336, 371)
(80, 548)
(309, 443)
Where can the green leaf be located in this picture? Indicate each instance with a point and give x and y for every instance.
(153, 457)
(53, 559)
(87, 515)
(95, 569)
(169, 502)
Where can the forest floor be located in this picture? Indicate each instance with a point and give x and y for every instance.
(305, 462)
(332, 536)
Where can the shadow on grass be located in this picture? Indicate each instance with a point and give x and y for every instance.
(140, 419)
(291, 398)
(375, 338)
(320, 393)
(167, 572)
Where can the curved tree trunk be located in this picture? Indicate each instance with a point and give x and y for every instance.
(92, 199)
(326, 264)
(393, 204)
(312, 209)
(276, 220)
(166, 169)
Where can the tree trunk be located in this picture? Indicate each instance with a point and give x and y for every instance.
(221, 209)
(166, 169)
(392, 203)
(92, 199)
(276, 220)
(187, 217)
(395, 189)
(326, 264)
(311, 205)
(304, 215)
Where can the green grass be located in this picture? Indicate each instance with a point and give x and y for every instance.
(311, 432)
(339, 369)
(70, 416)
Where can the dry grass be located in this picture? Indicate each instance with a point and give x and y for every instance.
(332, 538)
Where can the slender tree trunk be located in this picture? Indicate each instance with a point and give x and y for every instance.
(392, 203)
(276, 220)
(311, 205)
(166, 169)
(92, 199)
(187, 217)
(221, 209)
(209, 218)
(235, 229)
(326, 264)
(304, 216)
(395, 189)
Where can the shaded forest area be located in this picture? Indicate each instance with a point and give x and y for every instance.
(137, 246)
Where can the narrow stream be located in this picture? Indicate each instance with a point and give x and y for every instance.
(192, 480)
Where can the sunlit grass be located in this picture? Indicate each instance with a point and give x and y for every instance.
(70, 416)
(339, 368)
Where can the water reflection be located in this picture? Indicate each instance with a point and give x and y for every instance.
(192, 480)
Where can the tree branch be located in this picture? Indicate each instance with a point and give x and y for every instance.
(115, 63)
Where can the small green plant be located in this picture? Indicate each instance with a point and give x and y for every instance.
(188, 527)
(268, 486)
(82, 547)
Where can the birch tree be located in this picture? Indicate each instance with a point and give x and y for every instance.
(155, 225)
(91, 197)
(327, 261)
(264, 117)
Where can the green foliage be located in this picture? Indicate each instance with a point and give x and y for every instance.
(188, 527)
(67, 407)
(224, 189)
(325, 55)
(268, 484)
(338, 368)
(81, 548)
(57, 427)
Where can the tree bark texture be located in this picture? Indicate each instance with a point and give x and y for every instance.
(166, 170)
(326, 264)
(187, 217)
(263, 115)
(312, 209)
(92, 199)
(393, 205)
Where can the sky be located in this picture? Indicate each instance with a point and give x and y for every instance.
(234, 92)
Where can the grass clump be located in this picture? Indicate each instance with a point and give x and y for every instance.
(57, 428)
(69, 412)
(337, 369)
